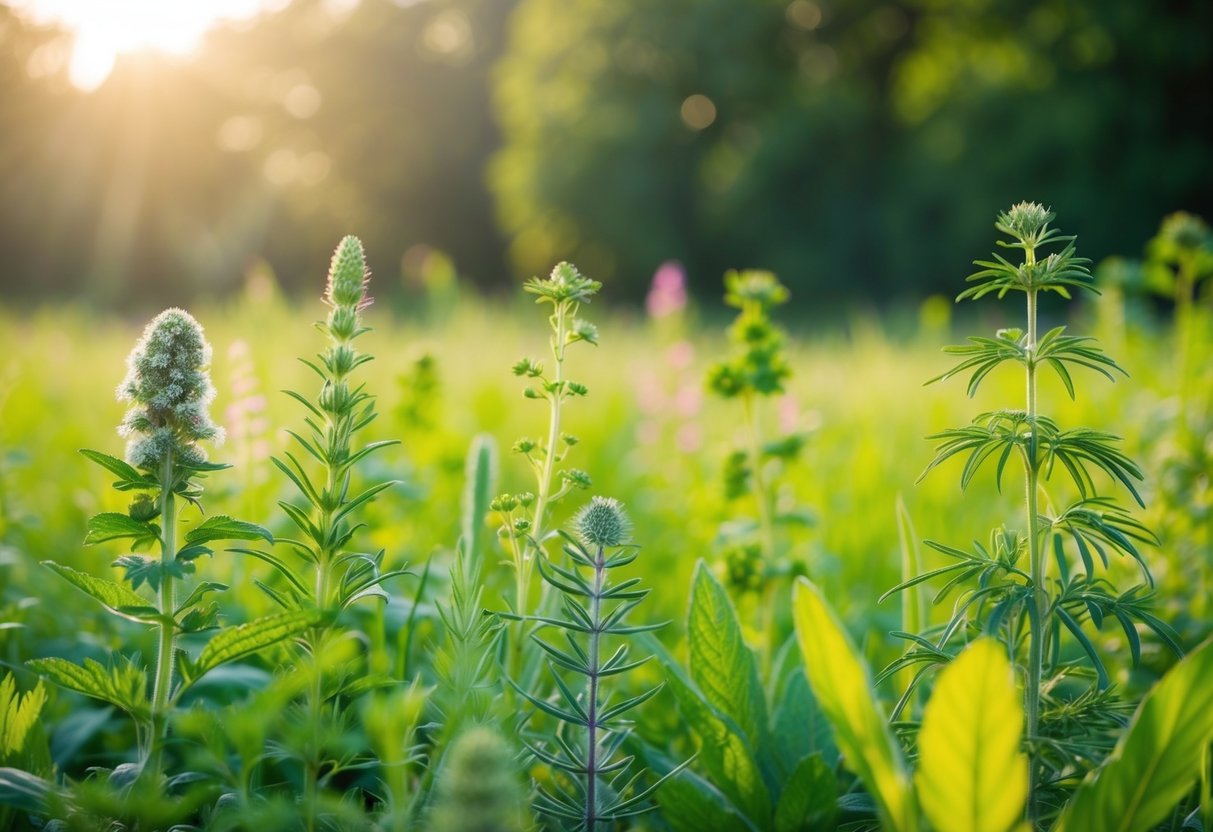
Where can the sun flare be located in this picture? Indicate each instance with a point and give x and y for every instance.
(103, 31)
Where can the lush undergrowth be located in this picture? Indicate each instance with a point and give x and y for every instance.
(343, 719)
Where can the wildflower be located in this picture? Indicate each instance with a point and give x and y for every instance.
(668, 293)
(602, 522)
(169, 387)
(1025, 220)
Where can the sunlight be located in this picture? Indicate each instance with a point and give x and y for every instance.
(103, 31)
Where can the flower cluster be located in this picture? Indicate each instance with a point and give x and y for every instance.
(169, 387)
(759, 367)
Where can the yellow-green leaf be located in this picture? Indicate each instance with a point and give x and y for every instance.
(1158, 758)
(972, 774)
(844, 691)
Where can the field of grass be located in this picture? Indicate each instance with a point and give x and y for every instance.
(650, 435)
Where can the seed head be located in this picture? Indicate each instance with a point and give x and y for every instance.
(169, 388)
(602, 522)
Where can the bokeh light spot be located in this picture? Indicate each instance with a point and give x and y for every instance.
(698, 111)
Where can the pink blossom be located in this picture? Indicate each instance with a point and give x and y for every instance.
(668, 293)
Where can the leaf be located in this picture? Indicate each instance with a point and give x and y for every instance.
(113, 596)
(113, 525)
(124, 685)
(480, 475)
(724, 754)
(843, 687)
(24, 791)
(972, 775)
(809, 799)
(691, 804)
(222, 527)
(1158, 758)
(721, 664)
(126, 473)
(237, 642)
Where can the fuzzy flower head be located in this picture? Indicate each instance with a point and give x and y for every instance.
(602, 522)
(346, 290)
(1026, 220)
(169, 388)
(564, 284)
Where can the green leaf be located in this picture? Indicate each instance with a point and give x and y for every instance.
(238, 642)
(691, 804)
(481, 473)
(809, 799)
(845, 695)
(222, 527)
(24, 791)
(724, 753)
(113, 525)
(1158, 758)
(972, 775)
(721, 664)
(126, 473)
(124, 685)
(115, 597)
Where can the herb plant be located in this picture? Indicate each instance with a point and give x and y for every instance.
(756, 371)
(1027, 608)
(169, 389)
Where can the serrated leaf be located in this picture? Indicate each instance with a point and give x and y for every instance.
(115, 597)
(18, 715)
(724, 754)
(124, 685)
(845, 694)
(240, 641)
(720, 662)
(810, 797)
(222, 527)
(113, 525)
(1158, 758)
(691, 804)
(972, 775)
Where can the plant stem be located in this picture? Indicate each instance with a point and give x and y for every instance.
(765, 526)
(591, 776)
(1040, 601)
(168, 626)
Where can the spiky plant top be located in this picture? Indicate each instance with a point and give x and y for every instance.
(169, 387)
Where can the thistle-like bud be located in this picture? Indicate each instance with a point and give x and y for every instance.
(602, 522)
(169, 387)
(479, 789)
(1025, 220)
(564, 284)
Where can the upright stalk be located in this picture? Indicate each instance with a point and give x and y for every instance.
(591, 785)
(1040, 599)
(168, 625)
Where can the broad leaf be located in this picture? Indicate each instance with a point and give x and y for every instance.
(24, 791)
(115, 597)
(845, 695)
(240, 641)
(721, 664)
(222, 527)
(1158, 758)
(724, 753)
(128, 477)
(113, 525)
(810, 797)
(691, 804)
(972, 775)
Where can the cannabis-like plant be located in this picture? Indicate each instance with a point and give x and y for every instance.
(169, 390)
(757, 371)
(592, 784)
(334, 576)
(525, 516)
(1029, 608)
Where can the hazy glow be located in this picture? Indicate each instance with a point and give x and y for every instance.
(104, 29)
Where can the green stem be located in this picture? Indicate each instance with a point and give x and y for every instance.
(1040, 600)
(766, 527)
(591, 776)
(163, 685)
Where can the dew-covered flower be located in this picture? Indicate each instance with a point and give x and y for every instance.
(169, 387)
(602, 522)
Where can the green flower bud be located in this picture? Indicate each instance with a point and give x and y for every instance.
(602, 522)
(576, 478)
(524, 446)
(1025, 220)
(143, 507)
(525, 499)
(479, 789)
(170, 391)
(503, 503)
(348, 276)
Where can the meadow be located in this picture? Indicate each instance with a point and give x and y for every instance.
(396, 701)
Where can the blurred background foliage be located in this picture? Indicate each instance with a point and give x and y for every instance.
(858, 148)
